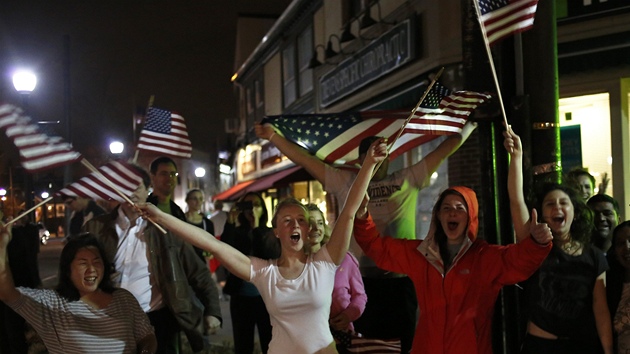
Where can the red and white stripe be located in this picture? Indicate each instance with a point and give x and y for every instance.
(124, 177)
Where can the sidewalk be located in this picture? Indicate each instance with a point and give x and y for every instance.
(222, 342)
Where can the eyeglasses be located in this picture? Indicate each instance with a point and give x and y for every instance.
(168, 174)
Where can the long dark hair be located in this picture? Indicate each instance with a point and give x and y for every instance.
(582, 224)
(440, 235)
(262, 221)
(65, 287)
(615, 275)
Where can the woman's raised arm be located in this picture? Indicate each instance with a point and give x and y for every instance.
(236, 262)
(342, 231)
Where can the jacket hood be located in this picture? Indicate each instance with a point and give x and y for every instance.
(429, 247)
(473, 210)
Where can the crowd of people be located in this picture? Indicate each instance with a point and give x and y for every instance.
(125, 286)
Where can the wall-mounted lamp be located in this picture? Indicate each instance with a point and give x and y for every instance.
(314, 62)
(346, 35)
(330, 51)
(367, 20)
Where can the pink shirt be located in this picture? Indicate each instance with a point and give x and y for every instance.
(348, 294)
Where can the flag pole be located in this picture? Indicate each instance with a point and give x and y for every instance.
(28, 211)
(489, 52)
(415, 109)
(149, 105)
(98, 173)
(413, 112)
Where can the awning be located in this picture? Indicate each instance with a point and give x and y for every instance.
(229, 194)
(277, 179)
(269, 181)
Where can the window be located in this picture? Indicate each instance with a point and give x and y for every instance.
(258, 94)
(254, 104)
(305, 53)
(250, 104)
(288, 74)
(589, 146)
(296, 75)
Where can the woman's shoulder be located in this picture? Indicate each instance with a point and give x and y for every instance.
(259, 263)
(122, 293)
(124, 299)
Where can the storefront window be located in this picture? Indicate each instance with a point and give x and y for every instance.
(585, 131)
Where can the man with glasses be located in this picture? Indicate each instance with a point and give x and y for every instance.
(164, 179)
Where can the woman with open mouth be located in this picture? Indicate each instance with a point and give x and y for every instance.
(296, 287)
(457, 276)
(568, 311)
(85, 313)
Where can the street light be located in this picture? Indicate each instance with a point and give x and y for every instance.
(200, 172)
(116, 147)
(24, 82)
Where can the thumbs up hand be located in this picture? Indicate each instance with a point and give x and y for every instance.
(541, 233)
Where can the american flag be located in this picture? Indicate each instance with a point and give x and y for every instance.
(165, 132)
(38, 151)
(502, 18)
(335, 138)
(363, 345)
(121, 175)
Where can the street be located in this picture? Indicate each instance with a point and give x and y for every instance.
(49, 261)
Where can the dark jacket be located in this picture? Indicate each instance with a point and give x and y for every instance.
(184, 281)
(258, 242)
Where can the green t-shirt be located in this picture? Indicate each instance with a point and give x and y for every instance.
(165, 207)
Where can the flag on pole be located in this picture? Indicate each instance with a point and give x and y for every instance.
(38, 151)
(121, 175)
(502, 18)
(165, 132)
(334, 138)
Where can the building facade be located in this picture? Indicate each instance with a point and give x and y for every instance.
(329, 56)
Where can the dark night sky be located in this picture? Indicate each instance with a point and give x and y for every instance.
(121, 52)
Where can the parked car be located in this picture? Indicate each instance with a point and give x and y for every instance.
(44, 235)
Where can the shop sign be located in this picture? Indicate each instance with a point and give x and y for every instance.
(269, 155)
(389, 52)
(248, 163)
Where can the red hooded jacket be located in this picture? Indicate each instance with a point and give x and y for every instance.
(455, 309)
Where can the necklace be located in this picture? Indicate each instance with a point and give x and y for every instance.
(571, 247)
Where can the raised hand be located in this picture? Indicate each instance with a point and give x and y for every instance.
(539, 231)
(263, 131)
(512, 142)
(5, 235)
(602, 186)
(377, 151)
(150, 211)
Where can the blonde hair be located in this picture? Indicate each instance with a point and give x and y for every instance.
(327, 230)
(283, 204)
